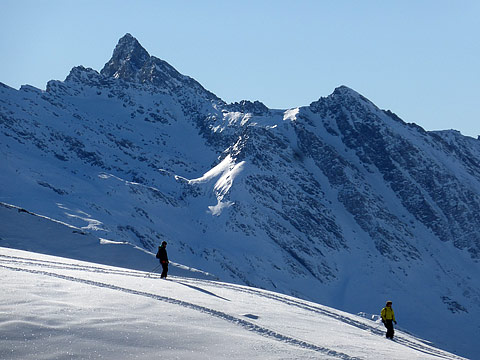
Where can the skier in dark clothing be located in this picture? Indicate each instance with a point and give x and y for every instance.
(388, 318)
(162, 256)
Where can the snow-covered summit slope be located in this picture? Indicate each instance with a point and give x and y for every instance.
(59, 308)
(338, 202)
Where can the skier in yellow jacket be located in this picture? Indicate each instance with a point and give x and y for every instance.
(388, 318)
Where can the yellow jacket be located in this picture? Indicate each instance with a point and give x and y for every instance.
(387, 313)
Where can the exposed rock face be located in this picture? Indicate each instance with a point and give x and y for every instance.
(128, 60)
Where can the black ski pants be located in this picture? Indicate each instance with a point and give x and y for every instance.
(389, 325)
(165, 270)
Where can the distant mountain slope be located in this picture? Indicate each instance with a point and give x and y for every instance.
(338, 202)
(24, 230)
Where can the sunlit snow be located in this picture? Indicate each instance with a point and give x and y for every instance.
(62, 308)
(58, 308)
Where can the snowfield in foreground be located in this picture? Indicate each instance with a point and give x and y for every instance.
(59, 308)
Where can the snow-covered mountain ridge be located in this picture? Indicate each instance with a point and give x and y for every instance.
(338, 202)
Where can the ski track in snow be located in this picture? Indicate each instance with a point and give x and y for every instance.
(15, 261)
(263, 331)
(344, 319)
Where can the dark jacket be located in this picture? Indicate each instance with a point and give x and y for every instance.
(162, 254)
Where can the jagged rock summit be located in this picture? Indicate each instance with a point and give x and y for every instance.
(338, 202)
(131, 62)
(128, 58)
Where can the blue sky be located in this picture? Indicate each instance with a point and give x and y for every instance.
(419, 59)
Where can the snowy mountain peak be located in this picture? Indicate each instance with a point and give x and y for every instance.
(246, 106)
(345, 91)
(81, 74)
(349, 107)
(132, 63)
(346, 97)
(127, 59)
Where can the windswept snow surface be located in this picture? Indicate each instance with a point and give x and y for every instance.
(58, 308)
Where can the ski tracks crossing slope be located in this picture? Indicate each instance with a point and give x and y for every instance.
(14, 264)
(53, 268)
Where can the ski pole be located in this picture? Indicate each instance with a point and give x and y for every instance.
(155, 268)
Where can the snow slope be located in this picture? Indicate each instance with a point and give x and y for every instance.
(61, 308)
(58, 308)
